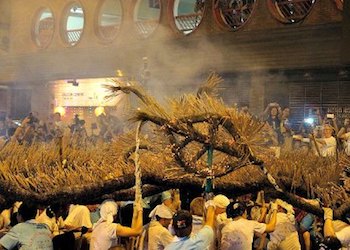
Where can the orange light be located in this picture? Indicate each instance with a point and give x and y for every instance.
(119, 73)
(60, 110)
(99, 111)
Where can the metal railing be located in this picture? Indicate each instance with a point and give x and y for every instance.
(294, 10)
(109, 31)
(188, 22)
(146, 27)
(73, 36)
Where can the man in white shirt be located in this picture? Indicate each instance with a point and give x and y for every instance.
(327, 144)
(158, 234)
(238, 234)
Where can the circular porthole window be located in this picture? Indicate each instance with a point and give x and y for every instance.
(188, 14)
(290, 11)
(234, 14)
(44, 28)
(73, 24)
(109, 19)
(146, 16)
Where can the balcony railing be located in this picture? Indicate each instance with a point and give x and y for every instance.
(146, 27)
(294, 10)
(187, 23)
(108, 31)
(236, 16)
(73, 36)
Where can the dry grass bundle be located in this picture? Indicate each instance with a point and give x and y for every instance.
(173, 153)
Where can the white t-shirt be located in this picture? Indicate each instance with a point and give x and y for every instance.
(158, 236)
(347, 143)
(238, 234)
(78, 216)
(203, 240)
(329, 149)
(104, 236)
(28, 235)
(344, 237)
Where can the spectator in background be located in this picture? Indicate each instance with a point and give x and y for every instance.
(10, 126)
(286, 130)
(344, 136)
(3, 130)
(327, 145)
(272, 115)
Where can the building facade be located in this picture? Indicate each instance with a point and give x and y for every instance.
(292, 52)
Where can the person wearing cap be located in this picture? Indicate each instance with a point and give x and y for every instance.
(333, 239)
(221, 202)
(238, 234)
(158, 233)
(171, 199)
(182, 224)
(105, 233)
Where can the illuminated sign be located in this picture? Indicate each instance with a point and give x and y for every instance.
(85, 92)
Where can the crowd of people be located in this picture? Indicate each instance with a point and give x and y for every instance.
(33, 129)
(246, 222)
(322, 135)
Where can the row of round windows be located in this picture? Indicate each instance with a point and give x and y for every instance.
(187, 16)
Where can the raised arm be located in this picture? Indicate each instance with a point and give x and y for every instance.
(210, 215)
(136, 229)
(270, 227)
(328, 228)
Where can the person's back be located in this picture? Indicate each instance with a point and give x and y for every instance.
(200, 241)
(285, 235)
(158, 234)
(182, 224)
(105, 232)
(78, 216)
(104, 236)
(238, 234)
(28, 234)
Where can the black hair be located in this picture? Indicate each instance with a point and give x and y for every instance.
(182, 223)
(332, 243)
(54, 210)
(235, 209)
(13, 219)
(27, 211)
